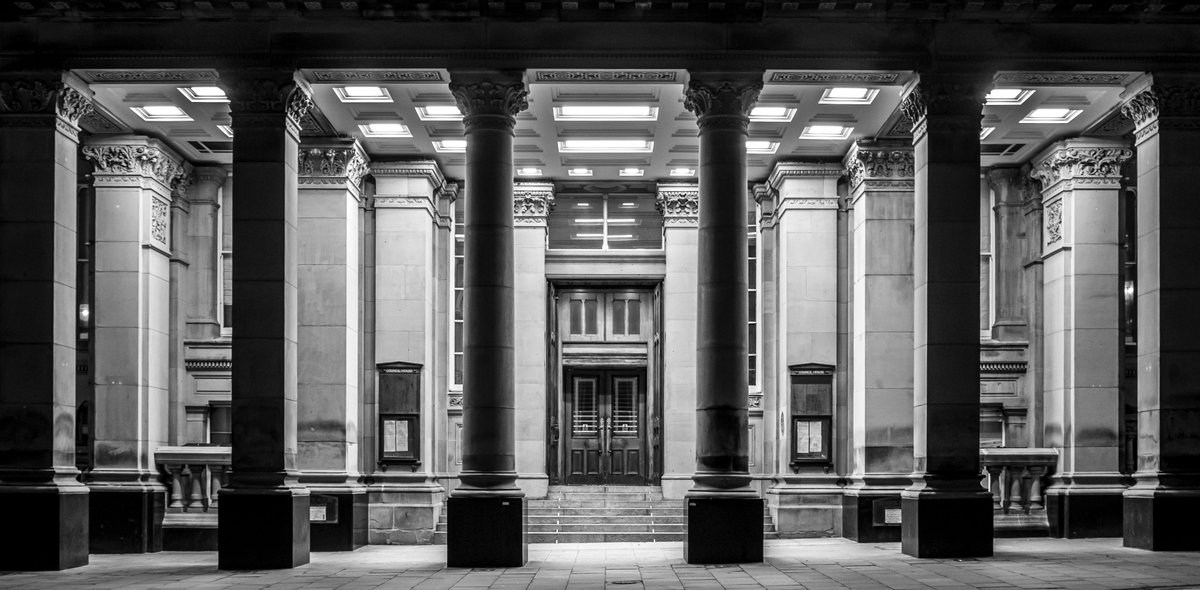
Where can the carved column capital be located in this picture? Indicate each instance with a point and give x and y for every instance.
(1171, 104)
(765, 196)
(724, 103)
(255, 98)
(329, 164)
(122, 160)
(679, 204)
(532, 202)
(491, 103)
(880, 165)
(1080, 159)
(945, 97)
(34, 102)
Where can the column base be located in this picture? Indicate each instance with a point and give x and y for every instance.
(53, 529)
(1164, 521)
(345, 523)
(262, 529)
(128, 520)
(951, 525)
(724, 530)
(871, 517)
(1082, 516)
(486, 531)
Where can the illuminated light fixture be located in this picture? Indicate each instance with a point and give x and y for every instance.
(632, 172)
(683, 172)
(589, 221)
(1008, 96)
(772, 114)
(848, 96)
(761, 147)
(204, 94)
(583, 205)
(606, 146)
(579, 172)
(627, 205)
(529, 171)
(623, 221)
(605, 113)
(450, 145)
(439, 112)
(589, 236)
(156, 113)
(362, 94)
(986, 131)
(826, 132)
(385, 130)
(621, 237)
(227, 130)
(1051, 115)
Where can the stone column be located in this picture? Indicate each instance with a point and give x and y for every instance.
(721, 506)
(532, 202)
(1161, 509)
(406, 499)
(806, 497)
(946, 512)
(179, 295)
(1007, 259)
(134, 180)
(1081, 184)
(679, 205)
(39, 138)
(774, 441)
(202, 249)
(263, 521)
(881, 194)
(489, 102)
(327, 339)
(1031, 256)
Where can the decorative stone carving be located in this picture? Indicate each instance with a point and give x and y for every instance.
(488, 101)
(158, 221)
(377, 76)
(834, 78)
(33, 97)
(1062, 79)
(270, 96)
(532, 202)
(943, 98)
(871, 162)
(1181, 101)
(636, 76)
(1142, 107)
(1054, 222)
(334, 163)
(1070, 162)
(142, 160)
(678, 202)
(727, 104)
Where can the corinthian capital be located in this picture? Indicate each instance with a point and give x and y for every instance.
(1170, 101)
(43, 97)
(329, 164)
(888, 164)
(944, 96)
(1071, 159)
(489, 102)
(147, 161)
(726, 101)
(532, 201)
(266, 95)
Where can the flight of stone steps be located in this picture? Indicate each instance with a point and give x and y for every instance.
(603, 514)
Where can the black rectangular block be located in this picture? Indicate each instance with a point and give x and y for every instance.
(869, 518)
(1084, 516)
(1164, 523)
(724, 530)
(126, 521)
(955, 526)
(262, 530)
(46, 530)
(345, 531)
(486, 532)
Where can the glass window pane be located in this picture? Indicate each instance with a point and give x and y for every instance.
(458, 272)
(576, 316)
(618, 316)
(458, 368)
(585, 415)
(753, 364)
(634, 310)
(458, 304)
(625, 408)
(589, 317)
(458, 336)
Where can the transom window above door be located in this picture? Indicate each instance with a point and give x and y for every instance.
(605, 216)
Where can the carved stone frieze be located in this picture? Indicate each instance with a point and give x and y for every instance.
(1075, 162)
(377, 76)
(140, 76)
(726, 103)
(678, 203)
(142, 160)
(158, 221)
(41, 97)
(592, 76)
(869, 161)
(834, 77)
(490, 104)
(1179, 101)
(1054, 221)
(332, 162)
(1062, 79)
(533, 201)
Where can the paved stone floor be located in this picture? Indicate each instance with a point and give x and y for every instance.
(800, 563)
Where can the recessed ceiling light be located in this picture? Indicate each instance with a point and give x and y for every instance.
(161, 113)
(622, 221)
(579, 172)
(385, 130)
(683, 172)
(632, 172)
(616, 146)
(529, 171)
(1008, 96)
(761, 147)
(610, 112)
(1051, 115)
(588, 221)
(986, 131)
(848, 96)
(773, 114)
(450, 145)
(362, 94)
(204, 94)
(826, 132)
(227, 130)
(439, 112)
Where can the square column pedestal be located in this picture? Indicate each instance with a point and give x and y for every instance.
(947, 524)
(52, 525)
(724, 530)
(486, 531)
(281, 537)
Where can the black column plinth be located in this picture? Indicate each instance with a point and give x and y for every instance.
(724, 530)
(1163, 523)
(953, 526)
(262, 530)
(865, 518)
(45, 530)
(349, 532)
(486, 532)
(126, 521)
(1084, 516)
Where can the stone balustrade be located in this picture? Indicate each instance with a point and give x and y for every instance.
(194, 476)
(1016, 478)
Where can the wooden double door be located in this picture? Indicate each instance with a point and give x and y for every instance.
(605, 412)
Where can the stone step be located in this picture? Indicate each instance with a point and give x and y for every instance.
(608, 527)
(603, 511)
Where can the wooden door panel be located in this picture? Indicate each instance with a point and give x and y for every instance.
(583, 412)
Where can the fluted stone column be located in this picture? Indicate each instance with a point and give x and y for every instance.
(39, 138)
(202, 249)
(489, 102)
(1081, 184)
(1161, 509)
(946, 512)
(327, 338)
(134, 178)
(263, 521)
(722, 505)
(881, 194)
(532, 203)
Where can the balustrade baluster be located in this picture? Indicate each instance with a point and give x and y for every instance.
(176, 472)
(993, 473)
(1036, 473)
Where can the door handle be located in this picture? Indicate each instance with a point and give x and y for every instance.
(605, 441)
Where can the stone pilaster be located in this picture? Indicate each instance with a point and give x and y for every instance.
(1033, 277)
(1081, 183)
(1007, 262)
(881, 459)
(201, 247)
(134, 178)
(773, 432)
(39, 137)
(489, 102)
(330, 176)
(1161, 507)
(264, 516)
(946, 512)
(532, 203)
